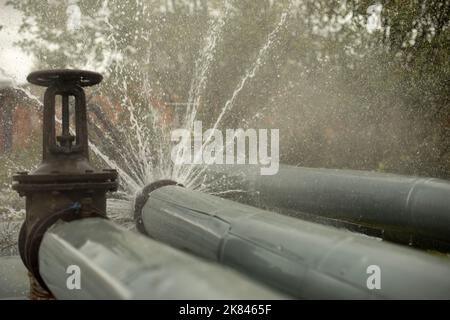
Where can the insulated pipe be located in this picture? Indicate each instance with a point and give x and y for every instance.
(302, 259)
(113, 263)
(402, 209)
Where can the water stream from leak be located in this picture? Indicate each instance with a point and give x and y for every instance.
(140, 150)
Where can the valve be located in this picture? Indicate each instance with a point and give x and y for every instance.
(65, 186)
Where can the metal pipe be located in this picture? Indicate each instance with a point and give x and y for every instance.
(409, 210)
(300, 258)
(115, 263)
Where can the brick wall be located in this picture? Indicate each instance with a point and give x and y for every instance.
(19, 120)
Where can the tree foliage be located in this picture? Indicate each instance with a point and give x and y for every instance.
(357, 84)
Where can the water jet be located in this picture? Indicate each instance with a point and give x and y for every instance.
(66, 223)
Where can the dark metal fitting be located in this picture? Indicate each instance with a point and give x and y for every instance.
(30, 237)
(142, 197)
(65, 186)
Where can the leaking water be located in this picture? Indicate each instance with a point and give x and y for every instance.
(140, 149)
(330, 75)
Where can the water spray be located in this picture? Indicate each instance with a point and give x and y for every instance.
(65, 190)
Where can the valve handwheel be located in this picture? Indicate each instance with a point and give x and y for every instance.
(46, 78)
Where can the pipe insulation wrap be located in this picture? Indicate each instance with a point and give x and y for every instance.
(303, 259)
(115, 263)
(405, 209)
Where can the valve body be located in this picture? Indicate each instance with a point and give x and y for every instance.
(65, 185)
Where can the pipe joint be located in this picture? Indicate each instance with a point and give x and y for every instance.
(31, 234)
(142, 197)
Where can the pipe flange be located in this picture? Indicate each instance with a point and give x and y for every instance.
(30, 238)
(142, 198)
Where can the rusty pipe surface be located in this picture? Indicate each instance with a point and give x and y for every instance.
(64, 186)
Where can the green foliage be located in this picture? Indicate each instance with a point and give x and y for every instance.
(343, 95)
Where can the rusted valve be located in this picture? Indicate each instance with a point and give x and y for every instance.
(64, 186)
